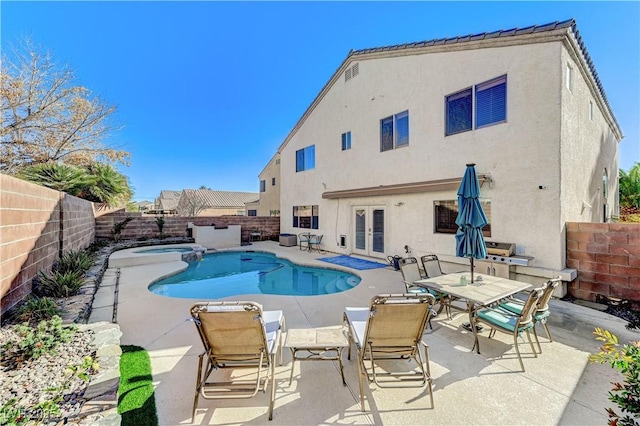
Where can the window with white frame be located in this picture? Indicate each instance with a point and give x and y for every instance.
(486, 102)
(306, 158)
(305, 217)
(346, 141)
(394, 131)
(569, 78)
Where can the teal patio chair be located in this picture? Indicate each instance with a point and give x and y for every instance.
(541, 313)
(500, 319)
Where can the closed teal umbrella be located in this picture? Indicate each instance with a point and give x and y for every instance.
(471, 219)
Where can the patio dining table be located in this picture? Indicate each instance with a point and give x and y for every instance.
(484, 291)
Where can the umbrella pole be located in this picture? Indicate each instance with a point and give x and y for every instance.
(472, 270)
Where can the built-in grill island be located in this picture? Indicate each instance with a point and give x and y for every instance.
(501, 260)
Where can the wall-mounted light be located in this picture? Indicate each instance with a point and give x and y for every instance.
(585, 206)
(399, 204)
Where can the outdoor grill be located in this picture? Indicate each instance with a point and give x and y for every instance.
(505, 253)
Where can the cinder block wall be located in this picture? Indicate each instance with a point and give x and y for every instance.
(176, 226)
(31, 233)
(78, 223)
(607, 257)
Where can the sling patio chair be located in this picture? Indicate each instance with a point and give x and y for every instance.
(391, 328)
(411, 273)
(314, 243)
(500, 319)
(303, 240)
(237, 335)
(541, 314)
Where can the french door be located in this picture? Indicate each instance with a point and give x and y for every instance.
(368, 227)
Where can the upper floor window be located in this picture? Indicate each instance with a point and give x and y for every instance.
(394, 131)
(262, 186)
(346, 141)
(591, 110)
(273, 181)
(306, 158)
(490, 100)
(458, 116)
(569, 77)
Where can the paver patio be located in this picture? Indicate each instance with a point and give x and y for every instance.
(558, 387)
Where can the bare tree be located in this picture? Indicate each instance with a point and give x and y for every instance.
(192, 202)
(46, 117)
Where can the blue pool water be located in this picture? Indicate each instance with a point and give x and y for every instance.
(166, 250)
(238, 273)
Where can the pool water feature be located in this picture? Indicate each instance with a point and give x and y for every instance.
(238, 273)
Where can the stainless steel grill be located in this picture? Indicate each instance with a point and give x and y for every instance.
(505, 253)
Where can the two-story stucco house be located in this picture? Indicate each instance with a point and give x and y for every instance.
(269, 202)
(375, 161)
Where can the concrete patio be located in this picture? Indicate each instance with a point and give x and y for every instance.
(558, 387)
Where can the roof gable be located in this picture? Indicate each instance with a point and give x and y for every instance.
(530, 34)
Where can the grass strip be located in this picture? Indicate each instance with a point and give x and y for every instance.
(136, 398)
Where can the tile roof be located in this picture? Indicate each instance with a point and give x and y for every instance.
(504, 34)
(214, 199)
(552, 26)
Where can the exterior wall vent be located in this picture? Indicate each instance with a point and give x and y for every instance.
(351, 72)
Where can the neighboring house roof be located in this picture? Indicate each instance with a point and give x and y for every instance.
(166, 193)
(219, 199)
(471, 41)
(168, 199)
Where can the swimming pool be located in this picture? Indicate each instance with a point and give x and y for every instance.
(238, 273)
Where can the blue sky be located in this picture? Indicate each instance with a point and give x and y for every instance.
(207, 91)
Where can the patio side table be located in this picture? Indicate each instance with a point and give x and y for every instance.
(316, 344)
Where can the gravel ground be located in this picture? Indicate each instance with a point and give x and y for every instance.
(28, 382)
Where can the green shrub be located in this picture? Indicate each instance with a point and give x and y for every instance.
(57, 284)
(160, 224)
(118, 228)
(626, 359)
(75, 261)
(33, 342)
(36, 309)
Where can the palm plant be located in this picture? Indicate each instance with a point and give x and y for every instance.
(629, 184)
(61, 177)
(110, 187)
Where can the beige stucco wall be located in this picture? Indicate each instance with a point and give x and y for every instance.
(589, 149)
(270, 198)
(521, 155)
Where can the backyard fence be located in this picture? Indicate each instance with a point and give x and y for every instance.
(37, 224)
(607, 257)
(146, 226)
